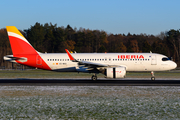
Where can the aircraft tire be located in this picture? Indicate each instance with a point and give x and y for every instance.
(152, 78)
(94, 78)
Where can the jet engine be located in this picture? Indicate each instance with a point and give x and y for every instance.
(115, 72)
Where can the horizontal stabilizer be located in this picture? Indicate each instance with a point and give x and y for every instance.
(13, 59)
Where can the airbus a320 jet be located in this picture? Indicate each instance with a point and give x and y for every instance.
(112, 65)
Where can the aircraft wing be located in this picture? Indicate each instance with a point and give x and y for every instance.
(91, 64)
(85, 63)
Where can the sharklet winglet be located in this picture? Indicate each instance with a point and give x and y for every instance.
(70, 56)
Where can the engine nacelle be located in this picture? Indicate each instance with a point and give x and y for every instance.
(115, 72)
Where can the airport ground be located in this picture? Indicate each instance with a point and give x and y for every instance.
(54, 95)
(49, 78)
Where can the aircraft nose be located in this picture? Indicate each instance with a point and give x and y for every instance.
(173, 65)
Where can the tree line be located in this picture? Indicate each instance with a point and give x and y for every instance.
(53, 39)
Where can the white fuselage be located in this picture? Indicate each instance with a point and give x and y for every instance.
(131, 61)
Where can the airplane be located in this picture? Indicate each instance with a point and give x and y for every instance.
(112, 65)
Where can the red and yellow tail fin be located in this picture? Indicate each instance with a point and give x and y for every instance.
(19, 44)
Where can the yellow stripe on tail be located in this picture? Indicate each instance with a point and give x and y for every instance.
(13, 29)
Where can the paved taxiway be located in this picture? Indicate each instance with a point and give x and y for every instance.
(88, 82)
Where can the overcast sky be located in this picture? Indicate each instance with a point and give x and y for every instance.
(112, 16)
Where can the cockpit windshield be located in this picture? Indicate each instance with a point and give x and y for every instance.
(166, 58)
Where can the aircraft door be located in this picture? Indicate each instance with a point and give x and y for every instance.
(38, 60)
(153, 60)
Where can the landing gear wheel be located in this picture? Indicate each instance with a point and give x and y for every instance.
(94, 77)
(152, 78)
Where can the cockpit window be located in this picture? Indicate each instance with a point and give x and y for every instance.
(165, 59)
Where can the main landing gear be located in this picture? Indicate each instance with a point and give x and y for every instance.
(94, 77)
(152, 76)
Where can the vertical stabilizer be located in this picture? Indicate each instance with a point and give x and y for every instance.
(19, 44)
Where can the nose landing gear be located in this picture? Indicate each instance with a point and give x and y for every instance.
(152, 76)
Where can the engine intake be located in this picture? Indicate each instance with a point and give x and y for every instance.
(115, 72)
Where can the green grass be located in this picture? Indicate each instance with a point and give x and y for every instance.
(167, 74)
(41, 74)
(50, 74)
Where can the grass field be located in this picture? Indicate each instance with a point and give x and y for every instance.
(89, 102)
(51, 74)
